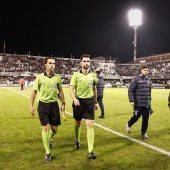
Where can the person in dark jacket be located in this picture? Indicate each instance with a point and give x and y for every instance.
(139, 94)
(100, 89)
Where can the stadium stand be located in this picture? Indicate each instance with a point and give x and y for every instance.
(13, 67)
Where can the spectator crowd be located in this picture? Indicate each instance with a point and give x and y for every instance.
(110, 70)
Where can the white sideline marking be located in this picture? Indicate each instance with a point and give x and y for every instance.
(132, 139)
(114, 132)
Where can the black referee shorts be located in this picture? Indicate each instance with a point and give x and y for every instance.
(49, 113)
(85, 110)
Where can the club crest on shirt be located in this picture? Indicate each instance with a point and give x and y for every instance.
(90, 84)
(55, 87)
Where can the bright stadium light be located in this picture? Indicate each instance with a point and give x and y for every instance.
(135, 19)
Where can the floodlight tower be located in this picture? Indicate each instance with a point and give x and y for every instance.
(135, 17)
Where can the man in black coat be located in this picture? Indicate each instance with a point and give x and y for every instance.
(139, 94)
(100, 89)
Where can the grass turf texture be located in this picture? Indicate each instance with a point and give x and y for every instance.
(22, 147)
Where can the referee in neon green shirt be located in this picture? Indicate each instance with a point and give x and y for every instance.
(48, 85)
(84, 94)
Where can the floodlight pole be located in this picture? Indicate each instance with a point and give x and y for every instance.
(4, 47)
(135, 42)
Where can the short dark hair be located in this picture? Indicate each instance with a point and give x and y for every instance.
(144, 67)
(46, 59)
(97, 72)
(84, 56)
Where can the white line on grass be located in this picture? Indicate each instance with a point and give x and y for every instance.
(132, 139)
(114, 132)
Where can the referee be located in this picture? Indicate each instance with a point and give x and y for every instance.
(48, 85)
(84, 94)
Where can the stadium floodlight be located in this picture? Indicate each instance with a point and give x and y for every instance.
(135, 19)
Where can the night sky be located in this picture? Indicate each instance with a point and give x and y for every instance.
(95, 27)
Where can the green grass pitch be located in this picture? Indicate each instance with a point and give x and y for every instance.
(21, 145)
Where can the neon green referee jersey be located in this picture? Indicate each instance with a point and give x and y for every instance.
(47, 87)
(83, 84)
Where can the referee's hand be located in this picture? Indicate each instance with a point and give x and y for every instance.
(95, 106)
(32, 110)
(76, 102)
